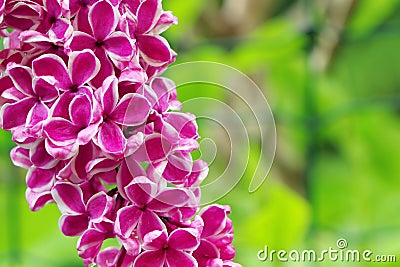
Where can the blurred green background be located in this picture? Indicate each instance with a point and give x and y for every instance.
(331, 73)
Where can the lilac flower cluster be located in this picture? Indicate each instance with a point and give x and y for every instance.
(101, 135)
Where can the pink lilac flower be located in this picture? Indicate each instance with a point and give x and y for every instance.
(103, 39)
(163, 250)
(89, 163)
(101, 133)
(154, 48)
(148, 203)
(53, 23)
(22, 15)
(82, 68)
(30, 107)
(109, 257)
(79, 127)
(144, 21)
(216, 235)
(131, 110)
(77, 216)
(89, 245)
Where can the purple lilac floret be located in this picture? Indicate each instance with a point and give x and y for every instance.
(101, 133)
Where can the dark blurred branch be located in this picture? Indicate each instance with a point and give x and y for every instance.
(338, 13)
(238, 17)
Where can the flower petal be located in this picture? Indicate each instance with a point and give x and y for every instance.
(154, 149)
(109, 177)
(108, 257)
(150, 259)
(231, 264)
(177, 258)
(187, 239)
(35, 38)
(53, 7)
(5, 84)
(127, 220)
(87, 134)
(141, 190)
(165, 21)
(73, 225)
(62, 152)
(107, 95)
(89, 243)
(154, 49)
(168, 199)
(40, 158)
(98, 205)
(61, 106)
(184, 123)
(155, 240)
(52, 65)
(228, 252)
(165, 91)
(147, 15)
(21, 77)
(83, 67)
(37, 201)
(178, 168)
(111, 139)
(20, 157)
(118, 46)
(214, 218)
(134, 143)
(100, 165)
(81, 22)
(132, 110)
(198, 174)
(77, 166)
(22, 138)
(61, 131)
(205, 252)
(69, 198)
(45, 88)
(10, 95)
(14, 115)
(103, 19)
(132, 246)
(36, 116)
(80, 41)
(128, 170)
(80, 111)
(40, 180)
(149, 222)
(61, 29)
